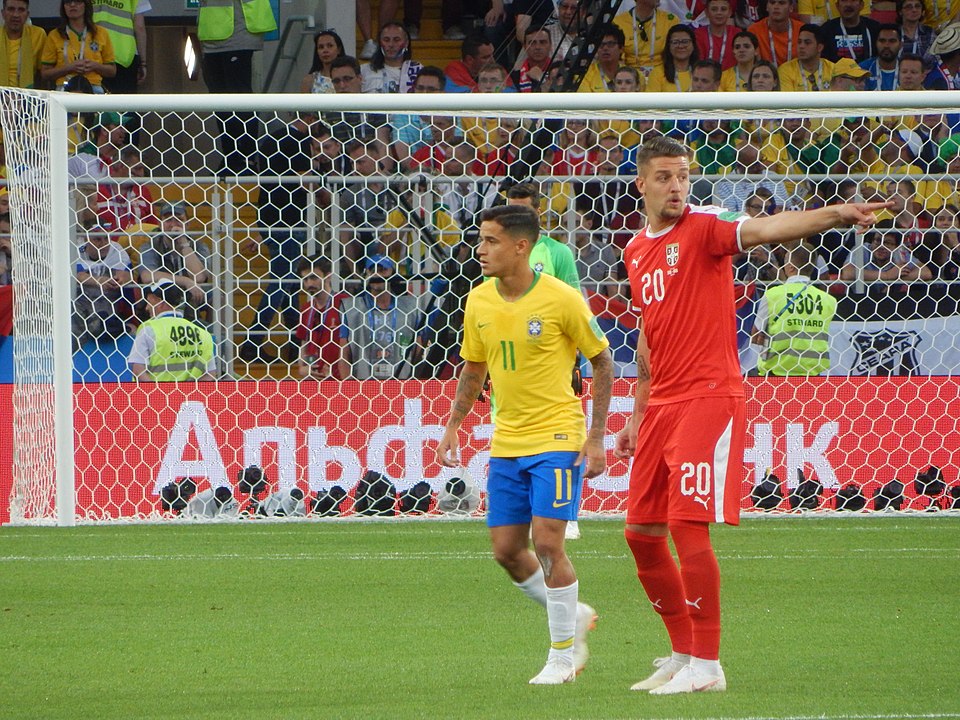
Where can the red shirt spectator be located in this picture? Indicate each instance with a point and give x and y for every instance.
(120, 205)
(318, 333)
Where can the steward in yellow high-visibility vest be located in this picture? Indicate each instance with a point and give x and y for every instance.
(215, 20)
(116, 17)
(168, 347)
(793, 322)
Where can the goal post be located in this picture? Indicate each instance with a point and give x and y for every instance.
(395, 197)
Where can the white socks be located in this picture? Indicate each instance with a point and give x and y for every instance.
(562, 619)
(709, 667)
(534, 588)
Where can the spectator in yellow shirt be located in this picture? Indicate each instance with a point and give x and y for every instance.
(808, 71)
(679, 57)
(602, 71)
(818, 12)
(487, 134)
(746, 50)
(645, 30)
(21, 46)
(78, 47)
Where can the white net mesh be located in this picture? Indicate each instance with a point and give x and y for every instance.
(328, 256)
(27, 268)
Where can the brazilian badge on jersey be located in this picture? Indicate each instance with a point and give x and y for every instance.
(673, 254)
(538, 267)
(534, 327)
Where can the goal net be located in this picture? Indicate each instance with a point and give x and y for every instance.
(326, 243)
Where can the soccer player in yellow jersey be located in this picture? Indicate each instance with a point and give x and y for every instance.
(524, 329)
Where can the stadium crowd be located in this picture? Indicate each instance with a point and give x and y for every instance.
(400, 193)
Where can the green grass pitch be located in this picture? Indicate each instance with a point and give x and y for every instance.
(828, 618)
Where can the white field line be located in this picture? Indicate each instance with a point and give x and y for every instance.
(920, 553)
(825, 716)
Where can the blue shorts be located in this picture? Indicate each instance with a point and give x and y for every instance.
(544, 485)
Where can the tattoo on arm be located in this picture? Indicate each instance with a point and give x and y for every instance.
(643, 356)
(468, 387)
(602, 389)
(643, 370)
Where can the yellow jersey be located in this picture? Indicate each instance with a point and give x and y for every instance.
(487, 134)
(657, 82)
(645, 40)
(529, 346)
(793, 77)
(59, 51)
(822, 10)
(732, 80)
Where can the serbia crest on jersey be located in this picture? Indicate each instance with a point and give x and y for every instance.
(681, 280)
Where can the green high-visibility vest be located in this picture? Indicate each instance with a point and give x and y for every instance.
(116, 17)
(215, 20)
(183, 349)
(799, 336)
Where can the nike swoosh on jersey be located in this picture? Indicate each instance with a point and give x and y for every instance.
(560, 505)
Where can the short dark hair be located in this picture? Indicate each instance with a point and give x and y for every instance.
(317, 263)
(345, 61)
(749, 36)
(801, 257)
(533, 30)
(713, 65)
(517, 220)
(813, 30)
(167, 291)
(911, 56)
(614, 31)
(432, 71)
(129, 151)
(524, 191)
(320, 129)
(888, 26)
(472, 44)
(661, 147)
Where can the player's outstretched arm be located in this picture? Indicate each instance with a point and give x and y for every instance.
(797, 224)
(601, 389)
(626, 442)
(469, 386)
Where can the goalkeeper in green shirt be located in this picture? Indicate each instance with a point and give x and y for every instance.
(548, 256)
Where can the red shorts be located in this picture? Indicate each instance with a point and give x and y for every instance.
(689, 462)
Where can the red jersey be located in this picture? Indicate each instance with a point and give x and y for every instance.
(714, 48)
(120, 206)
(319, 331)
(681, 280)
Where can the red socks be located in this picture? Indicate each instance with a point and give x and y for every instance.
(701, 585)
(688, 599)
(660, 578)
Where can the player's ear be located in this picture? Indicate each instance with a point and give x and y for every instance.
(639, 183)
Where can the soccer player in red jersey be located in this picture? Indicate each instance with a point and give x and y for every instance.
(686, 434)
